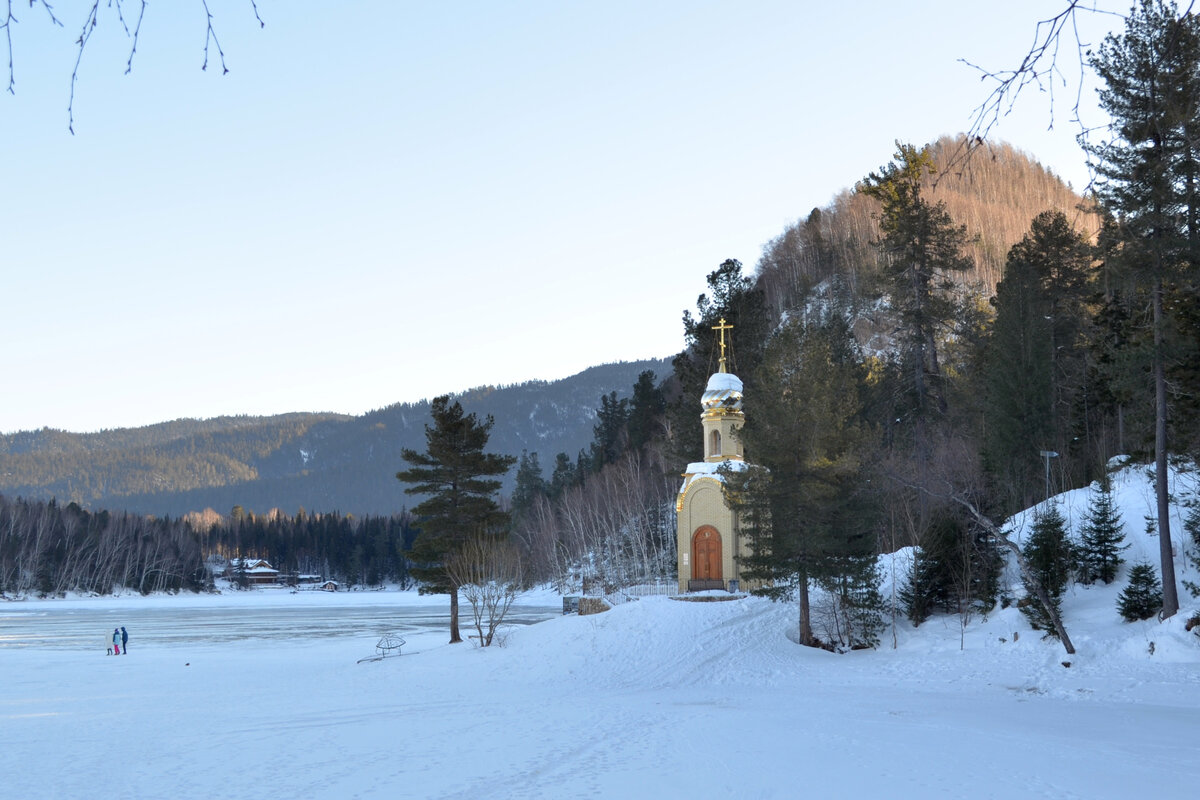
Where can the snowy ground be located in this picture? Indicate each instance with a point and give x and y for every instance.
(656, 698)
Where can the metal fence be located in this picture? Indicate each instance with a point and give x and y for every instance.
(626, 593)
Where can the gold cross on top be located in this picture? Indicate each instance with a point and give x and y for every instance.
(722, 327)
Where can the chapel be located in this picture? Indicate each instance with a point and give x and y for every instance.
(707, 535)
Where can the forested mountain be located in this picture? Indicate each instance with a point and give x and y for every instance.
(318, 462)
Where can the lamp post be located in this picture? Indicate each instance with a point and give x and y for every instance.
(1046, 456)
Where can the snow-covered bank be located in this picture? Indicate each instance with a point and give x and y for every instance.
(655, 698)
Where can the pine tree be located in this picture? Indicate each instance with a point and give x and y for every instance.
(1148, 172)
(1048, 553)
(1101, 537)
(923, 250)
(457, 479)
(1142, 598)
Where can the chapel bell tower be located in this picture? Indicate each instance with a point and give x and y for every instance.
(706, 531)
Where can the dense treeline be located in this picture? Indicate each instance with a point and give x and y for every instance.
(48, 549)
(366, 551)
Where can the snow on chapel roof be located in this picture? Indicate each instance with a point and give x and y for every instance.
(723, 382)
(723, 393)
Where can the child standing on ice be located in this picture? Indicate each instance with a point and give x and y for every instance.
(116, 641)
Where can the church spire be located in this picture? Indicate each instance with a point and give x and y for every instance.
(722, 327)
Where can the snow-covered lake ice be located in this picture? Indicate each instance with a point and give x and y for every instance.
(656, 699)
(258, 616)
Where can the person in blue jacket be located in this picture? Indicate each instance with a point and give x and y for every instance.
(116, 641)
(124, 641)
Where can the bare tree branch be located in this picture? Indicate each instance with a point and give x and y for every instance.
(211, 35)
(1040, 68)
(89, 27)
(131, 26)
(136, 30)
(9, 19)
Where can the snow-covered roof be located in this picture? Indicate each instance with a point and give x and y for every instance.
(252, 565)
(698, 468)
(708, 469)
(723, 393)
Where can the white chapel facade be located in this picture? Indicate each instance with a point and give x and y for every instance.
(707, 538)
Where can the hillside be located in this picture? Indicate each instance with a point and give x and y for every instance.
(995, 192)
(319, 462)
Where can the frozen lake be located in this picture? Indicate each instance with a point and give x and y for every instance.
(259, 616)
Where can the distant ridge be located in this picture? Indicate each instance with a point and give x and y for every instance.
(318, 462)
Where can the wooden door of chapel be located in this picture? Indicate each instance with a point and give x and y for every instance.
(706, 554)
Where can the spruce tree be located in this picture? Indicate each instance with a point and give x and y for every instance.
(565, 476)
(802, 504)
(1142, 598)
(1034, 361)
(458, 481)
(858, 606)
(923, 589)
(646, 408)
(1101, 537)
(610, 437)
(1048, 554)
(530, 485)
(929, 586)
(955, 569)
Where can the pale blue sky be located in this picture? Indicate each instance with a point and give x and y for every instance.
(385, 201)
